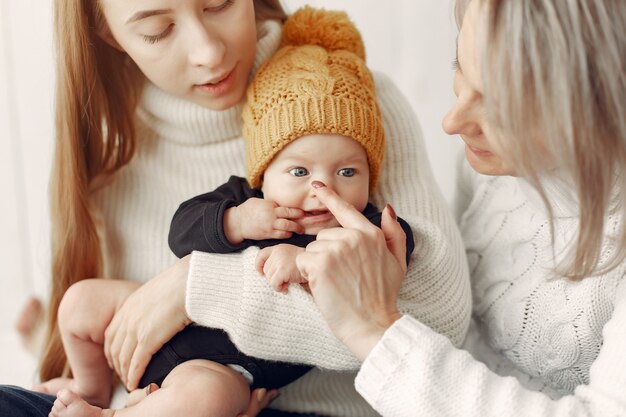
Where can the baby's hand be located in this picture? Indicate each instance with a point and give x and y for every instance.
(278, 264)
(258, 219)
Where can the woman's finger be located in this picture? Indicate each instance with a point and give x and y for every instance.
(338, 233)
(394, 235)
(344, 212)
(138, 364)
(116, 345)
(109, 335)
(259, 399)
(125, 355)
(137, 395)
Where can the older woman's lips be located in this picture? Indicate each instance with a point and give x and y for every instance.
(479, 152)
(222, 87)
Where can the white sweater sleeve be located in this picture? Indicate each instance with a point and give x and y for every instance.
(412, 368)
(225, 291)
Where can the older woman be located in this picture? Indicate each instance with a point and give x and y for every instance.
(542, 110)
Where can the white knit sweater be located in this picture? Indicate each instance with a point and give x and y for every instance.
(186, 150)
(562, 342)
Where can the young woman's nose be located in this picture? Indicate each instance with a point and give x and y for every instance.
(462, 119)
(206, 48)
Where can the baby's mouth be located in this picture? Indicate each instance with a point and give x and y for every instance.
(315, 213)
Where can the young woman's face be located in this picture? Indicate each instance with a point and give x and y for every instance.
(200, 50)
(338, 161)
(467, 117)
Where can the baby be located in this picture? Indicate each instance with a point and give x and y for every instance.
(311, 115)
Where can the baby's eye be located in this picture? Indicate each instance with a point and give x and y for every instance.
(346, 172)
(299, 172)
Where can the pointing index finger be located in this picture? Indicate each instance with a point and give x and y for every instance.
(344, 212)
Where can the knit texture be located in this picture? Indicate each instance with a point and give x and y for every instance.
(541, 346)
(186, 150)
(317, 82)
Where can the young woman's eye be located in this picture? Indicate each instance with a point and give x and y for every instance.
(158, 37)
(299, 172)
(221, 6)
(346, 172)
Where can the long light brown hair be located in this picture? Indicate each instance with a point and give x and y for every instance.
(555, 91)
(97, 88)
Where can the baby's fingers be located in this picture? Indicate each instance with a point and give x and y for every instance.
(288, 226)
(288, 212)
(261, 258)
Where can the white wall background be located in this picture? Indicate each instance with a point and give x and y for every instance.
(410, 40)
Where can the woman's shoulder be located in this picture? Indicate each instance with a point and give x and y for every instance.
(386, 87)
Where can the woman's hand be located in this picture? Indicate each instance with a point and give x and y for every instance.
(146, 320)
(355, 273)
(259, 399)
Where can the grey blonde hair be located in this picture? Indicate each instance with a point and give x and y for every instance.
(555, 94)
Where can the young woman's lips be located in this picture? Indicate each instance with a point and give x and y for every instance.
(221, 87)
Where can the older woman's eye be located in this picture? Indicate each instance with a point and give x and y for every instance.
(299, 172)
(346, 172)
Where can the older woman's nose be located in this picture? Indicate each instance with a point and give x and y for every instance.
(462, 120)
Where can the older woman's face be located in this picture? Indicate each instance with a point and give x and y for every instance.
(467, 118)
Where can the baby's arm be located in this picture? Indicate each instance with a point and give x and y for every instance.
(225, 220)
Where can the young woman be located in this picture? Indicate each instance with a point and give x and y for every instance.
(148, 115)
(541, 107)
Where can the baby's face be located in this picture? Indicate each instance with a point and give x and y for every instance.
(338, 161)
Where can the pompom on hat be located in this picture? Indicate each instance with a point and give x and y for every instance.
(316, 83)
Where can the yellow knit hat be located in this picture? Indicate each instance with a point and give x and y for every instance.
(317, 82)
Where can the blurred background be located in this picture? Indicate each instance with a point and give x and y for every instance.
(412, 41)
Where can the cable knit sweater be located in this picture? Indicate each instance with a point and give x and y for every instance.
(541, 345)
(186, 149)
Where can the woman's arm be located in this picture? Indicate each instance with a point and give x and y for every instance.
(225, 291)
(413, 368)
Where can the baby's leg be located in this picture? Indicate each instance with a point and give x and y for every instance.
(85, 311)
(194, 388)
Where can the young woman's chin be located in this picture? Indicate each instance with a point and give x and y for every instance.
(221, 104)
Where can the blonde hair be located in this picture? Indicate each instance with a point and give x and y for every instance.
(97, 90)
(555, 93)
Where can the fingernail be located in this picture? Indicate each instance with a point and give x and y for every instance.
(318, 184)
(260, 395)
(392, 212)
(151, 388)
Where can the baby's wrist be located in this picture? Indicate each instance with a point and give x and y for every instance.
(232, 226)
